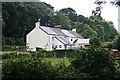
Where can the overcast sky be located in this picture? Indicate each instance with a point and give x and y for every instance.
(84, 7)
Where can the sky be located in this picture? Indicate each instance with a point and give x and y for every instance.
(85, 7)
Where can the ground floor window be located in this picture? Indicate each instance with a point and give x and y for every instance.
(60, 46)
(55, 46)
(52, 46)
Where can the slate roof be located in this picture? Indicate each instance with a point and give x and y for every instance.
(61, 34)
(62, 39)
(48, 30)
(75, 34)
(52, 31)
(68, 33)
(58, 31)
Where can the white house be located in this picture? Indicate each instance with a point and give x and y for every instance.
(53, 38)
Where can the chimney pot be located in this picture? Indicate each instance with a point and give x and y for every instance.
(58, 26)
(37, 24)
(74, 30)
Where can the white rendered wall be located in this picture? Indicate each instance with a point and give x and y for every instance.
(37, 38)
(55, 42)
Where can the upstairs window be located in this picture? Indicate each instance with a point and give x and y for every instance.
(53, 38)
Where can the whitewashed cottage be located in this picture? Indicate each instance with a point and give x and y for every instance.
(42, 37)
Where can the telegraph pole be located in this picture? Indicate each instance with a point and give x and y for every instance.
(117, 4)
(119, 19)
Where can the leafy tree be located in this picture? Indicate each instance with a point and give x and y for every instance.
(59, 18)
(88, 32)
(24, 68)
(116, 42)
(94, 62)
(19, 18)
(95, 41)
(71, 13)
(100, 32)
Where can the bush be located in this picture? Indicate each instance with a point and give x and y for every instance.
(95, 41)
(66, 53)
(94, 62)
(13, 55)
(24, 68)
(13, 41)
(116, 42)
(13, 48)
(108, 45)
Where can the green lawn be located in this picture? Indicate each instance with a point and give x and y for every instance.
(52, 61)
(56, 61)
(2, 52)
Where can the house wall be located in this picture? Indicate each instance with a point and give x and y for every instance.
(57, 44)
(37, 38)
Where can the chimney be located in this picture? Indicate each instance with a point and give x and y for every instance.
(58, 26)
(74, 30)
(37, 24)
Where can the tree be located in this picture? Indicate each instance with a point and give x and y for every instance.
(59, 18)
(19, 18)
(116, 42)
(100, 32)
(94, 62)
(88, 32)
(70, 13)
(95, 41)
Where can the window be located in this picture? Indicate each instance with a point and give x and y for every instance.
(60, 46)
(52, 46)
(53, 38)
(55, 46)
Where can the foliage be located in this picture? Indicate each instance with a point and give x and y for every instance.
(116, 42)
(70, 13)
(25, 68)
(13, 48)
(108, 45)
(36, 68)
(40, 54)
(94, 62)
(13, 55)
(95, 41)
(19, 18)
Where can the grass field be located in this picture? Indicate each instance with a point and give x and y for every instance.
(2, 52)
(52, 61)
(56, 61)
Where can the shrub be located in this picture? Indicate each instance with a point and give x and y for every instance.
(116, 42)
(13, 55)
(95, 41)
(13, 48)
(24, 68)
(94, 62)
